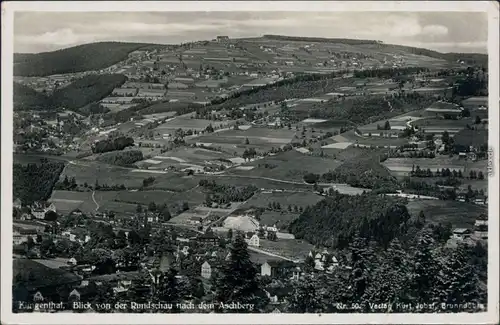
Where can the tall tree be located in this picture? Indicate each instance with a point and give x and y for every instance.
(424, 268)
(238, 281)
(457, 282)
(169, 289)
(305, 297)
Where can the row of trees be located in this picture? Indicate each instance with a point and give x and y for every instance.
(121, 158)
(426, 272)
(444, 172)
(222, 194)
(118, 143)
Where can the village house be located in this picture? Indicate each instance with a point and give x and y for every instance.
(253, 241)
(324, 260)
(196, 220)
(208, 238)
(20, 235)
(74, 295)
(461, 233)
(206, 270)
(39, 209)
(281, 268)
(38, 297)
(222, 39)
(481, 226)
(17, 203)
(77, 235)
(153, 218)
(480, 200)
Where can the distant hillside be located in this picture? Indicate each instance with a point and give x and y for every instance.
(75, 96)
(79, 58)
(320, 39)
(26, 98)
(469, 58)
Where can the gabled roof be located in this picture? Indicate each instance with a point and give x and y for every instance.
(461, 231)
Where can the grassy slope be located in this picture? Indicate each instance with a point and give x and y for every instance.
(79, 58)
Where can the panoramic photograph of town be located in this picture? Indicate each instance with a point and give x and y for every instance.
(250, 162)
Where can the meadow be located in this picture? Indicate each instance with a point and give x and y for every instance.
(291, 165)
(459, 214)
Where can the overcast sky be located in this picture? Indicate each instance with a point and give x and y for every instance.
(441, 31)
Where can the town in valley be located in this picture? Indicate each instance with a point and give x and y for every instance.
(267, 174)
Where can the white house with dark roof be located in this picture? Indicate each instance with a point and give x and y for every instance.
(253, 241)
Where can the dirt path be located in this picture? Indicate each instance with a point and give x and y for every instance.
(93, 199)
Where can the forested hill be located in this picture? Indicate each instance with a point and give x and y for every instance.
(26, 98)
(337, 219)
(75, 96)
(79, 58)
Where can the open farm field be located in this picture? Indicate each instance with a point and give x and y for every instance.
(194, 155)
(262, 132)
(53, 263)
(25, 159)
(159, 116)
(376, 141)
(67, 201)
(90, 172)
(127, 209)
(459, 214)
(281, 219)
(476, 184)
(474, 138)
(193, 198)
(284, 216)
(259, 182)
(285, 199)
(186, 124)
(257, 137)
(291, 248)
(261, 258)
(434, 123)
(329, 125)
(184, 158)
(291, 165)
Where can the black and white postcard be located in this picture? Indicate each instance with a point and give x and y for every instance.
(250, 162)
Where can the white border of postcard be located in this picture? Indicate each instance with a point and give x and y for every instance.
(8, 9)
